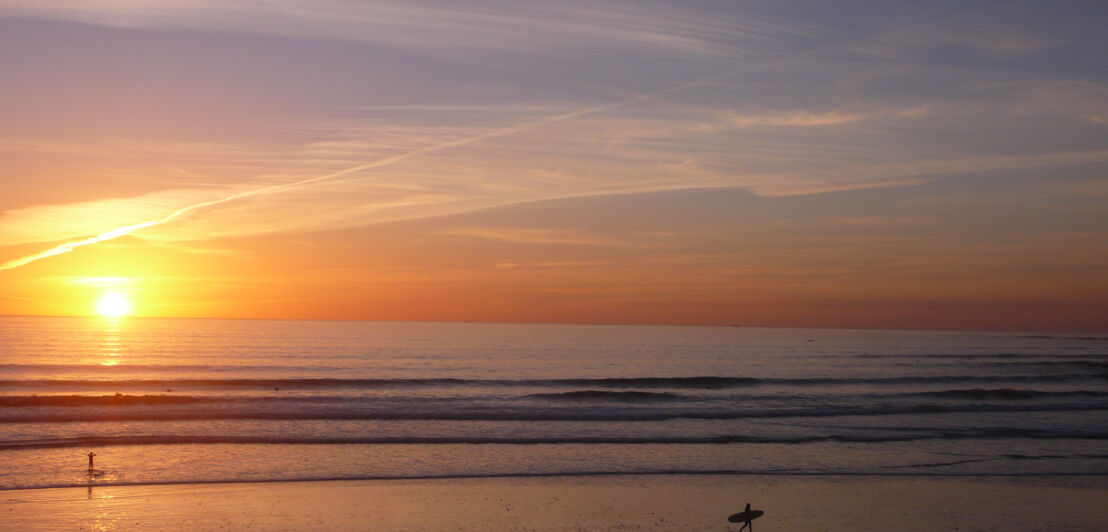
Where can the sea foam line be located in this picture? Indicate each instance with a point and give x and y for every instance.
(968, 434)
(398, 412)
(699, 382)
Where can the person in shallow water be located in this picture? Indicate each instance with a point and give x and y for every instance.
(90, 455)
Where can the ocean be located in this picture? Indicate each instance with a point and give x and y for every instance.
(196, 400)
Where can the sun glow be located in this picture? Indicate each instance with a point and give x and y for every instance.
(113, 305)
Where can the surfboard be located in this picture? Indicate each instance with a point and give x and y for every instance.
(743, 517)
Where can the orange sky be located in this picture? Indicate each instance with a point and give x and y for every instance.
(681, 164)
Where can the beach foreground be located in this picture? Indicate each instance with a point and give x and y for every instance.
(625, 502)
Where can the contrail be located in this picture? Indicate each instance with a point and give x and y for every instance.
(128, 229)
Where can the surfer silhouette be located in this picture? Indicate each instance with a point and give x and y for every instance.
(90, 455)
(748, 522)
(746, 517)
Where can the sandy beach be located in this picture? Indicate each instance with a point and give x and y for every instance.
(655, 502)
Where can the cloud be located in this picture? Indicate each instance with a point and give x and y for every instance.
(559, 265)
(431, 26)
(409, 186)
(768, 111)
(48, 223)
(979, 31)
(881, 221)
(410, 204)
(26, 145)
(98, 281)
(802, 118)
(797, 119)
(913, 172)
(516, 235)
(1081, 100)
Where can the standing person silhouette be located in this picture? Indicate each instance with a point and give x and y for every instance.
(91, 454)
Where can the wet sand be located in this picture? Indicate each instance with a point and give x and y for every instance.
(655, 502)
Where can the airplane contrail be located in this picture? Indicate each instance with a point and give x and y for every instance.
(128, 229)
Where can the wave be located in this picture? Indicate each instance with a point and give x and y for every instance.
(1073, 363)
(629, 396)
(1004, 393)
(97, 400)
(660, 472)
(969, 434)
(1052, 337)
(998, 356)
(1095, 364)
(506, 401)
(939, 379)
(702, 382)
(949, 463)
(400, 411)
(232, 383)
(160, 368)
(706, 382)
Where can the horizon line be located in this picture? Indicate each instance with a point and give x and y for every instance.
(1090, 333)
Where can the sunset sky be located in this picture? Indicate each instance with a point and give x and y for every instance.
(827, 164)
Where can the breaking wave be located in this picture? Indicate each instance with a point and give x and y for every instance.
(691, 383)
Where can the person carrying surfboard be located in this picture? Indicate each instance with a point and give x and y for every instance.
(748, 522)
(746, 517)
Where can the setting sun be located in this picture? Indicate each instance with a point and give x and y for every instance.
(113, 304)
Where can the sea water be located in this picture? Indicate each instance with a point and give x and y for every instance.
(188, 400)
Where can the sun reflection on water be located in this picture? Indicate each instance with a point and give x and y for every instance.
(110, 344)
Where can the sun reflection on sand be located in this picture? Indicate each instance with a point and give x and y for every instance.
(106, 515)
(105, 521)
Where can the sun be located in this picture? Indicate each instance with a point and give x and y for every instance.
(113, 305)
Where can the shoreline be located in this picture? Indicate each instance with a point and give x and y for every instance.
(586, 474)
(592, 502)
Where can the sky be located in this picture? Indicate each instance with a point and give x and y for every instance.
(923, 165)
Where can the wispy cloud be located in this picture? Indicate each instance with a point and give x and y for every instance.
(1080, 100)
(797, 119)
(272, 189)
(431, 26)
(920, 171)
(573, 265)
(517, 235)
(971, 32)
(881, 221)
(415, 192)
